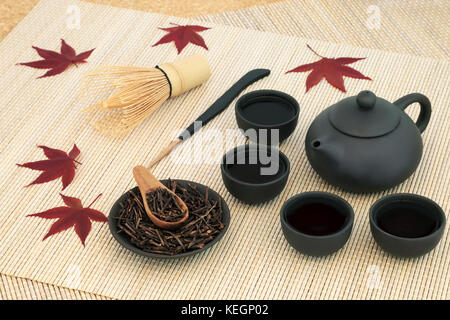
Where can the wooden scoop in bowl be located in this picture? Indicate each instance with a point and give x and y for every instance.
(147, 183)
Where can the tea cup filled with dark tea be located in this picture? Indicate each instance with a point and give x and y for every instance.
(406, 225)
(254, 173)
(267, 116)
(316, 223)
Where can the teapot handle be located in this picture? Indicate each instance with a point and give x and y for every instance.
(425, 108)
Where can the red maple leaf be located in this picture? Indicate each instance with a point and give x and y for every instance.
(57, 62)
(182, 35)
(333, 70)
(59, 164)
(72, 215)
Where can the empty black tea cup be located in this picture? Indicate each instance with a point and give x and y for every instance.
(254, 173)
(406, 225)
(263, 112)
(317, 223)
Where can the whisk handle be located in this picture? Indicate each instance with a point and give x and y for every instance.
(225, 100)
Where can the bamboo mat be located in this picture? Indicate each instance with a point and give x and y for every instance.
(13, 288)
(405, 26)
(262, 264)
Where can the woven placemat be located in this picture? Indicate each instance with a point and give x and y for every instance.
(13, 288)
(345, 21)
(405, 26)
(253, 260)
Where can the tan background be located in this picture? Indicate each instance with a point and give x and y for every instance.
(416, 27)
(266, 18)
(13, 11)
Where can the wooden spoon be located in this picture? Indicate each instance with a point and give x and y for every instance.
(147, 183)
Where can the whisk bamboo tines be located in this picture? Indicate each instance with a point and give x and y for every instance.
(133, 93)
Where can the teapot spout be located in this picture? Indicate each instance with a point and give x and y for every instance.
(325, 151)
(316, 144)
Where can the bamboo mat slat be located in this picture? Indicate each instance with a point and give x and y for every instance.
(253, 260)
(404, 26)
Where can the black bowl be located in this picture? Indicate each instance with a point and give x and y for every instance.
(247, 181)
(406, 225)
(316, 223)
(269, 110)
(124, 241)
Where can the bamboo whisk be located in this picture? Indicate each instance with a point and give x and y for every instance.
(133, 93)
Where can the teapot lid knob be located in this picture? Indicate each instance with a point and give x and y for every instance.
(364, 115)
(366, 99)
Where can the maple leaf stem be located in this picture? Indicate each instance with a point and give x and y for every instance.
(76, 161)
(95, 200)
(309, 47)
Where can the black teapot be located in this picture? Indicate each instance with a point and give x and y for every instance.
(367, 144)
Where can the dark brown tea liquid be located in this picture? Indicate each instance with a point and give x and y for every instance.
(248, 166)
(406, 222)
(268, 112)
(251, 173)
(316, 219)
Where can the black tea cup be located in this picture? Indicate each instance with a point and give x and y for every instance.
(317, 223)
(406, 225)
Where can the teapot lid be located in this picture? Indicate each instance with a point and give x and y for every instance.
(364, 116)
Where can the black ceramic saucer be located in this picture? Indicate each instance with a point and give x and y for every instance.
(124, 241)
